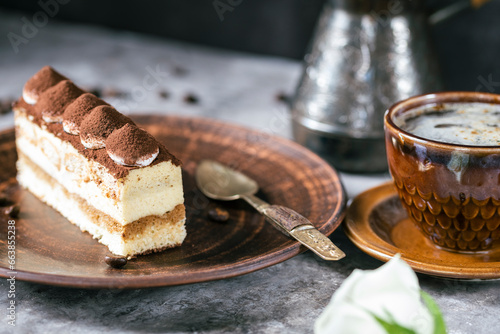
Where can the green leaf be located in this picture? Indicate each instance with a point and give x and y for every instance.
(439, 325)
(392, 327)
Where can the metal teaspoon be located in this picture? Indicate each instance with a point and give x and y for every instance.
(220, 182)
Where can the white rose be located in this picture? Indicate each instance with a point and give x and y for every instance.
(390, 292)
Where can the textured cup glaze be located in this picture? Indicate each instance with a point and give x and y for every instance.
(451, 192)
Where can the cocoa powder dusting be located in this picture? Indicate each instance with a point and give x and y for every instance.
(42, 80)
(101, 121)
(77, 110)
(131, 144)
(68, 96)
(54, 100)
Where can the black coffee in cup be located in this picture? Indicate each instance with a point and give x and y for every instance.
(473, 124)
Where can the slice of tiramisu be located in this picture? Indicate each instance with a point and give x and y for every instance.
(97, 168)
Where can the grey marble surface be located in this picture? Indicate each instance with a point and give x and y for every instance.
(238, 88)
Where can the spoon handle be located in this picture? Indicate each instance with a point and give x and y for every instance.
(299, 227)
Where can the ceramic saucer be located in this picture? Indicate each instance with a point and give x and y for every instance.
(377, 223)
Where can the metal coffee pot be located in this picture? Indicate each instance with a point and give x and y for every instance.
(365, 56)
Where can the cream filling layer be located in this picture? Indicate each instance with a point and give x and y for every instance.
(159, 235)
(152, 190)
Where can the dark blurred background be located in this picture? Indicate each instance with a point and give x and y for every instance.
(467, 44)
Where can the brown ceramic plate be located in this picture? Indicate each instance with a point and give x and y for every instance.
(377, 223)
(51, 250)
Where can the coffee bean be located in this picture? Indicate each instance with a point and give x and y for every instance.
(12, 211)
(180, 71)
(218, 214)
(164, 94)
(191, 98)
(115, 262)
(282, 97)
(96, 91)
(6, 105)
(5, 201)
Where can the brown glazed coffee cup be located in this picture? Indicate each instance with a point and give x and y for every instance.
(451, 192)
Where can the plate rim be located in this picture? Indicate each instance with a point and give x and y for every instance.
(356, 225)
(287, 251)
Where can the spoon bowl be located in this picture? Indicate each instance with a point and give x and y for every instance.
(217, 181)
